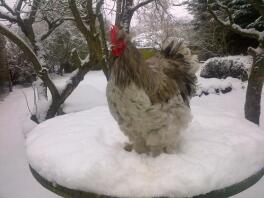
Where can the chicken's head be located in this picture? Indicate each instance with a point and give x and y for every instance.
(118, 41)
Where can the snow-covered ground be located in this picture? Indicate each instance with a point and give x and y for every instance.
(15, 178)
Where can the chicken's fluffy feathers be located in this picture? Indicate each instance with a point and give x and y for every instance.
(150, 99)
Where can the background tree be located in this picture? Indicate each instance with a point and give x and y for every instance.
(256, 78)
(58, 48)
(157, 24)
(89, 20)
(246, 16)
(213, 40)
(209, 38)
(22, 71)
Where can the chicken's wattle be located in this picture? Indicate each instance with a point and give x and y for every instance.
(118, 45)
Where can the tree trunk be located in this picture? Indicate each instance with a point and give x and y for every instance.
(255, 84)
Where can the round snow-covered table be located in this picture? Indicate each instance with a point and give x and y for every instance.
(82, 155)
(220, 193)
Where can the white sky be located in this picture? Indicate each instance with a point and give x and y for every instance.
(179, 12)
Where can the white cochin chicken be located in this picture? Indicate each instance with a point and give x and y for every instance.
(149, 99)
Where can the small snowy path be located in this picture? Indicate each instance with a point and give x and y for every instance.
(16, 180)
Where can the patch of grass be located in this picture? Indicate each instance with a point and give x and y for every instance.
(147, 52)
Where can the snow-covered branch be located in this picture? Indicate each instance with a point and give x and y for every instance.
(18, 6)
(252, 33)
(78, 20)
(42, 72)
(8, 17)
(22, 45)
(3, 4)
(89, 29)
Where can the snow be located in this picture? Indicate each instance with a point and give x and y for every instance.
(85, 98)
(86, 60)
(74, 149)
(89, 93)
(41, 109)
(220, 148)
(17, 181)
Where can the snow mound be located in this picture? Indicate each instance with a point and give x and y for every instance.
(78, 152)
(27, 126)
(206, 86)
(85, 97)
(230, 66)
(90, 92)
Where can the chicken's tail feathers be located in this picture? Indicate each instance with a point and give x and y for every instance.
(183, 66)
(176, 49)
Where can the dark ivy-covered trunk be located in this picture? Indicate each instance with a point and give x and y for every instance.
(254, 89)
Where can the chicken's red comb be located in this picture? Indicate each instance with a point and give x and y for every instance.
(118, 45)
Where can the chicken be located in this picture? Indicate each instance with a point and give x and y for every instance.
(150, 99)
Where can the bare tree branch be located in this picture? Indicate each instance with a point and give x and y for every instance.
(8, 17)
(135, 8)
(52, 27)
(125, 11)
(3, 4)
(18, 6)
(180, 4)
(34, 9)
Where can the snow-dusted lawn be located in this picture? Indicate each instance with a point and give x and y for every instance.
(15, 178)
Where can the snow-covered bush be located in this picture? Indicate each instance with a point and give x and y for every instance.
(58, 48)
(22, 71)
(230, 66)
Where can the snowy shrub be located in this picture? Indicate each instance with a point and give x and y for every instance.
(21, 70)
(231, 66)
(58, 48)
